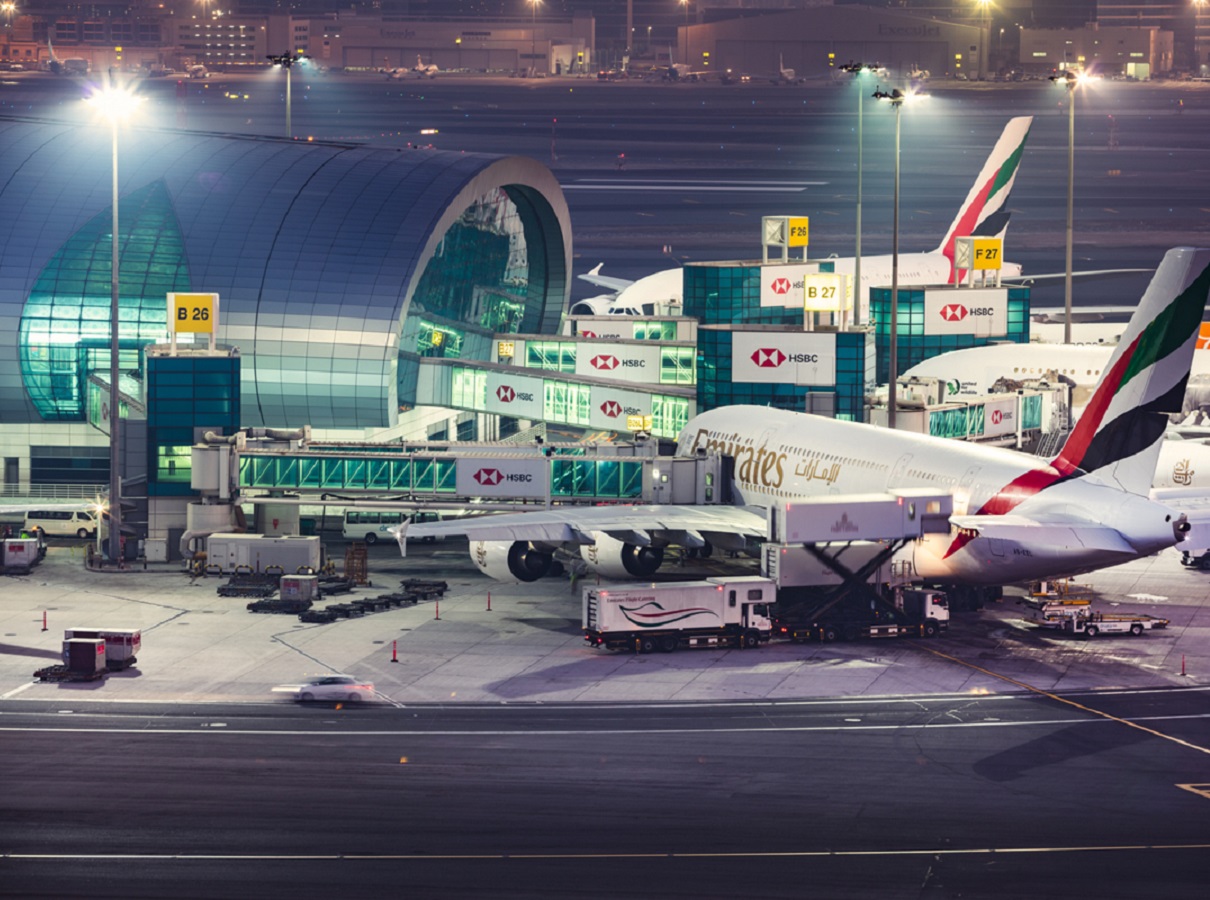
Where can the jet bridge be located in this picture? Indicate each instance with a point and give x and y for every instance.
(833, 552)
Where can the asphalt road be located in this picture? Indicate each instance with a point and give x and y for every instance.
(930, 797)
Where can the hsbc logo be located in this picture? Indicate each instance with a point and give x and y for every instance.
(768, 358)
(604, 361)
(588, 334)
(956, 312)
(999, 416)
(492, 477)
(611, 408)
(506, 394)
(780, 286)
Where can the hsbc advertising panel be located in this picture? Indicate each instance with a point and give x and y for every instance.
(624, 362)
(775, 357)
(610, 407)
(782, 285)
(1000, 418)
(501, 476)
(977, 312)
(514, 395)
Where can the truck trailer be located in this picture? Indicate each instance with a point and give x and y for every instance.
(717, 612)
(897, 612)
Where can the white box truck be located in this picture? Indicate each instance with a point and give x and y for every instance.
(717, 612)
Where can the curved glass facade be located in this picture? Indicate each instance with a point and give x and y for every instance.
(338, 268)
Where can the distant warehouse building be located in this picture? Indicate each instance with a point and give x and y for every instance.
(815, 42)
(338, 269)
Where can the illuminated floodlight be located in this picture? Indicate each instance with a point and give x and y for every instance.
(116, 104)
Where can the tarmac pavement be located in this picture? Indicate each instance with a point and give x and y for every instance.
(199, 647)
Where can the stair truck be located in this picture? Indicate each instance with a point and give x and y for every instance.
(717, 612)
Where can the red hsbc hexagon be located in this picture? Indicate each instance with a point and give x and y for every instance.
(611, 408)
(780, 286)
(506, 394)
(997, 416)
(953, 312)
(488, 476)
(588, 334)
(604, 361)
(768, 357)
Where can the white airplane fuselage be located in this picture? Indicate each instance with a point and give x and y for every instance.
(782, 457)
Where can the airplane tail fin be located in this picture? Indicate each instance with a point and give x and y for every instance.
(1118, 436)
(984, 213)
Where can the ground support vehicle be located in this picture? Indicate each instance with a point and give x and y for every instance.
(18, 556)
(1078, 617)
(122, 645)
(717, 612)
(895, 612)
(83, 660)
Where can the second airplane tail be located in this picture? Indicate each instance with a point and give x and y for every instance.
(984, 213)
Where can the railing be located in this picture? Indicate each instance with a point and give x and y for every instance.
(53, 491)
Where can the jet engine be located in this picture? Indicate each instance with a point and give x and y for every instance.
(510, 560)
(615, 559)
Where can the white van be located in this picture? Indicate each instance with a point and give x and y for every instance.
(371, 525)
(62, 522)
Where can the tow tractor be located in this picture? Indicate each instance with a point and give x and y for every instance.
(1075, 615)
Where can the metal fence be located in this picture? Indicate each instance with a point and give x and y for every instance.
(53, 491)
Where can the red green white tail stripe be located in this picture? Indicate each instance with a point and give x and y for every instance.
(989, 195)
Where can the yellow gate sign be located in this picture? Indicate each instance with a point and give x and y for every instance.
(979, 254)
(193, 313)
(798, 232)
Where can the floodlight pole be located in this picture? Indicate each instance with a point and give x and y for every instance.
(1071, 175)
(287, 61)
(115, 418)
(895, 98)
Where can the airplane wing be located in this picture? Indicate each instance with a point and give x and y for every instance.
(594, 276)
(576, 525)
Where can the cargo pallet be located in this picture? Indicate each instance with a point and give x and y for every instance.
(278, 605)
(63, 673)
(251, 584)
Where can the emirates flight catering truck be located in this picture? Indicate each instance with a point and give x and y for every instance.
(726, 612)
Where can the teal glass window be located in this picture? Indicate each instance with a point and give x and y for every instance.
(64, 330)
(554, 356)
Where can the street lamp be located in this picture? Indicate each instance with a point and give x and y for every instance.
(287, 61)
(858, 70)
(1072, 80)
(533, 33)
(9, 8)
(115, 104)
(1199, 6)
(896, 98)
(685, 3)
(985, 36)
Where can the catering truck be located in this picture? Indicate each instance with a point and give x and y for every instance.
(717, 612)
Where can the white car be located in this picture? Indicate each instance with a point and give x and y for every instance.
(329, 686)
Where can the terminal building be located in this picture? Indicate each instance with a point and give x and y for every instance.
(374, 295)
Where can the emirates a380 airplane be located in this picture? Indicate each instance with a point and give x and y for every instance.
(1016, 517)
